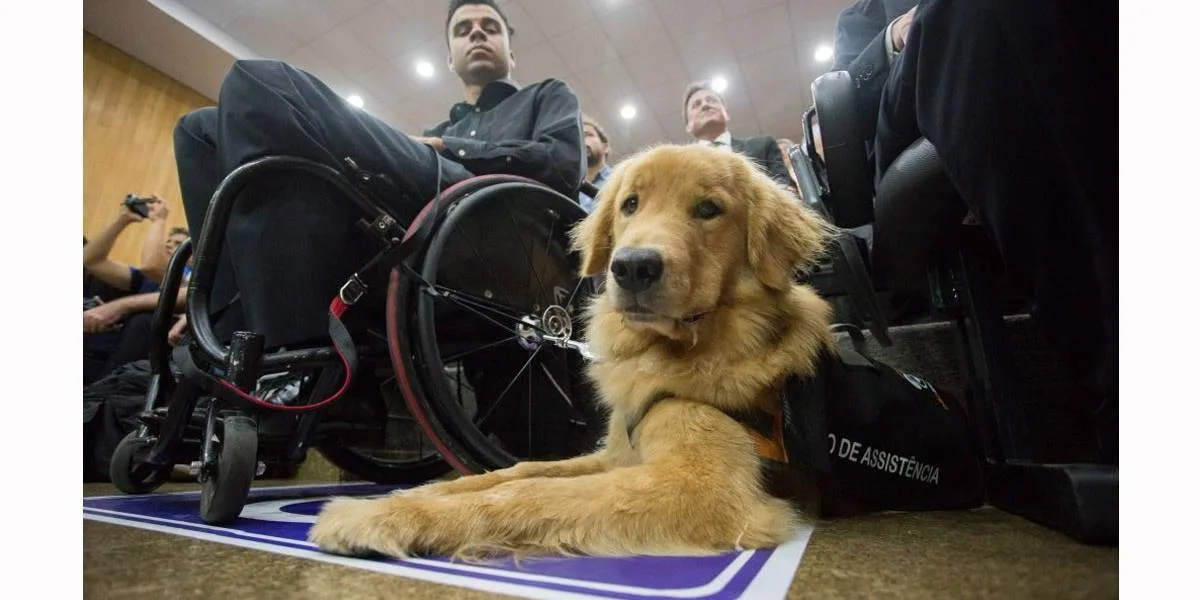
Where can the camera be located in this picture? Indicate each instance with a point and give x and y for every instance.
(137, 204)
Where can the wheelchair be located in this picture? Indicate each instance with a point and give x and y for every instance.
(468, 358)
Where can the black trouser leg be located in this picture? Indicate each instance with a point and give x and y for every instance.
(1020, 98)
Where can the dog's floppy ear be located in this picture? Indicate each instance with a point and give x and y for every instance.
(782, 233)
(593, 236)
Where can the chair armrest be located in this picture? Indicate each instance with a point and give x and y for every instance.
(589, 189)
(848, 170)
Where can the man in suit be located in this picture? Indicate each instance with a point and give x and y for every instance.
(870, 35)
(707, 120)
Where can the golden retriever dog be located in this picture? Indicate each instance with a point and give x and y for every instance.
(700, 320)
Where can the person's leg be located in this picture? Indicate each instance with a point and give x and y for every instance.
(294, 239)
(196, 161)
(896, 126)
(1019, 97)
(269, 107)
(97, 347)
(133, 343)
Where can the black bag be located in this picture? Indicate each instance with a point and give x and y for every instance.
(110, 409)
(878, 439)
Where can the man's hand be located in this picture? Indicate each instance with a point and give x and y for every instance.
(102, 318)
(127, 217)
(177, 331)
(900, 29)
(434, 142)
(158, 210)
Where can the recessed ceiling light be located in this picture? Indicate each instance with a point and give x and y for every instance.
(628, 112)
(823, 53)
(355, 100)
(424, 69)
(719, 84)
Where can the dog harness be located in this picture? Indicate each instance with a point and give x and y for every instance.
(881, 438)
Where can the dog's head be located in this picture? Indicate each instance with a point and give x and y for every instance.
(682, 231)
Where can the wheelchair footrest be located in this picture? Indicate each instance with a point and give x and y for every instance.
(157, 417)
(1077, 499)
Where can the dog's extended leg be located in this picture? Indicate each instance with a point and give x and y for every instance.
(616, 451)
(572, 467)
(697, 491)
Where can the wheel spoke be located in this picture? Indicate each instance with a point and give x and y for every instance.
(516, 378)
(480, 303)
(525, 250)
(483, 263)
(461, 355)
(478, 311)
(571, 298)
(554, 382)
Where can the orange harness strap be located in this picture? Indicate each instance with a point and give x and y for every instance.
(764, 427)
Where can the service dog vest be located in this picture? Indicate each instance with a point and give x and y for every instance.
(883, 439)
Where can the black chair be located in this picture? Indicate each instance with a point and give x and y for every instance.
(923, 241)
(845, 273)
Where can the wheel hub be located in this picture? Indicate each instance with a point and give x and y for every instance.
(557, 322)
(554, 326)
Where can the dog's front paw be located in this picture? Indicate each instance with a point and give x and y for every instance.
(359, 527)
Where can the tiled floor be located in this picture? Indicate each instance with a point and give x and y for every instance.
(977, 554)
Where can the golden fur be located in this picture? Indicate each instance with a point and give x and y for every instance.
(721, 332)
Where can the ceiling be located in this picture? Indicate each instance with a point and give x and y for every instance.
(611, 52)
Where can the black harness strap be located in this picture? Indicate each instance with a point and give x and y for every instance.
(767, 426)
(632, 421)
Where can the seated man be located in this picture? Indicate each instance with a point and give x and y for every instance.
(1018, 97)
(157, 248)
(598, 150)
(785, 146)
(270, 108)
(118, 332)
(869, 35)
(706, 119)
(119, 299)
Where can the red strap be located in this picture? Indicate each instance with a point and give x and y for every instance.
(340, 338)
(337, 308)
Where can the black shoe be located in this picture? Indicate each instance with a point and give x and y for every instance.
(281, 388)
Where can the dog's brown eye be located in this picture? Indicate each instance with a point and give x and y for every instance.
(629, 206)
(706, 209)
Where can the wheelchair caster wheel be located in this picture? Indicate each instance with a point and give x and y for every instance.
(127, 471)
(227, 477)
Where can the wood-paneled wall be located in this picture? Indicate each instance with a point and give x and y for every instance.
(129, 113)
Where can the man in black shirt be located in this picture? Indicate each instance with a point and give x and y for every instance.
(270, 108)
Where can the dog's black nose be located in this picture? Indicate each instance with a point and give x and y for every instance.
(636, 269)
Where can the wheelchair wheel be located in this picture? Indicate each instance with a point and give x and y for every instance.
(226, 479)
(497, 298)
(127, 470)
